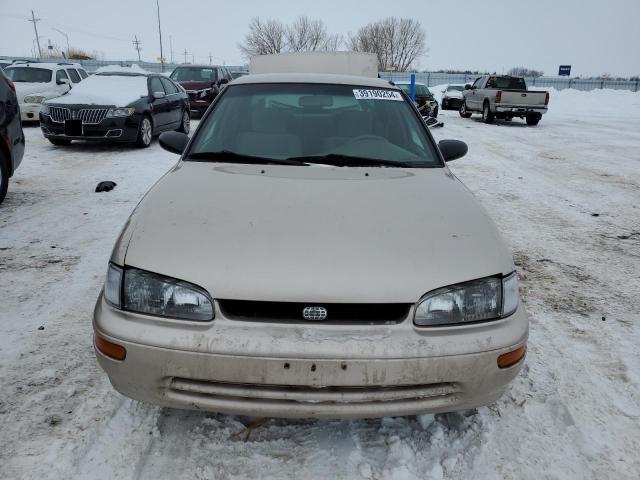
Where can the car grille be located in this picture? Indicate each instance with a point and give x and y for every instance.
(89, 116)
(328, 394)
(336, 312)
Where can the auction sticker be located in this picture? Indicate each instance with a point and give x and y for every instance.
(369, 94)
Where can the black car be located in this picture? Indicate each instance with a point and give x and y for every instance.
(117, 107)
(11, 135)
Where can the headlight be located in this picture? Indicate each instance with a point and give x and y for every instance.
(120, 112)
(205, 93)
(484, 299)
(44, 109)
(145, 292)
(33, 99)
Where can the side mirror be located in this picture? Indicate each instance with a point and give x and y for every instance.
(63, 81)
(174, 142)
(451, 149)
(467, 86)
(223, 81)
(159, 95)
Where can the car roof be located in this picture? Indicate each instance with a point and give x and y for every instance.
(126, 74)
(323, 78)
(50, 65)
(188, 65)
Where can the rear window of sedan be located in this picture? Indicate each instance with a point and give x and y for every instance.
(308, 120)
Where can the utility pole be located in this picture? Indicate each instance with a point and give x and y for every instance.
(65, 36)
(171, 47)
(193, 59)
(185, 55)
(160, 34)
(210, 58)
(34, 20)
(137, 43)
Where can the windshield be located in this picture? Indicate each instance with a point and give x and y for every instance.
(194, 74)
(421, 90)
(315, 123)
(506, 83)
(455, 88)
(28, 74)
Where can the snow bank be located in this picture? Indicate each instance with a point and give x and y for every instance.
(114, 90)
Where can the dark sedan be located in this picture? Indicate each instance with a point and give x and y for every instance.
(11, 135)
(202, 83)
(117, 107)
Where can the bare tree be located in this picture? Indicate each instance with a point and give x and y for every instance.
(264, 37)
(306, 35)
(397, 42)
(525, 72)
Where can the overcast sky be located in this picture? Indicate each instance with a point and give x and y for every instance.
(592, 36)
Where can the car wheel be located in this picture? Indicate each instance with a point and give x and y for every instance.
(435, 112)
(145, 132)
(185, 125)
(464, 113)
(4, 176)
(487, 115)
(532, 120)
(60, 142)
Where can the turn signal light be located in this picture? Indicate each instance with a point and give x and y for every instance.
(498, 96)
(509, 359)
(546, 99)
(111, 350)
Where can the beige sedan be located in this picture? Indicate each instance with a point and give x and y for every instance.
(311, 255)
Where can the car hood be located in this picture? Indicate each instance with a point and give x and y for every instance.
(323, 234)
(29, 88)
(196, 85)
(454, 94)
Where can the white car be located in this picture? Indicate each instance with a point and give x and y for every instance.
(37, 82)
(452, 97)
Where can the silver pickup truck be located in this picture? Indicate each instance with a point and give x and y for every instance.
(504, 97)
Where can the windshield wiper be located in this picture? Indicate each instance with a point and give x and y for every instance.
(227, 156)
(339, 160)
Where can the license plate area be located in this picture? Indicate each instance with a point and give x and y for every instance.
(73, 128)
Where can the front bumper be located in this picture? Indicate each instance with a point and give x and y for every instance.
(29, 112)
(118, 129)
(330, 371)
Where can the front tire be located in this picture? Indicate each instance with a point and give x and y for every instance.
(60, 142)
(464, 113)
(4, 176)
(487, 114)
(145, 132)
(185, 124)
(532, 120)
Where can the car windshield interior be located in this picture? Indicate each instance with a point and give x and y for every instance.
(421, 90)
(507, 83)
(190, 74)
(27, 74)
(455, 88)
(284, 121)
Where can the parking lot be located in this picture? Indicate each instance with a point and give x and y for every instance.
(564, 194)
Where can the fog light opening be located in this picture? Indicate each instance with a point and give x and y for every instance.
(111, 350)
(509, 359)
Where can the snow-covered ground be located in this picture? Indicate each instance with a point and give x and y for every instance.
(565, 194)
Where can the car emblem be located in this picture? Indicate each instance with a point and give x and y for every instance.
(314, 313)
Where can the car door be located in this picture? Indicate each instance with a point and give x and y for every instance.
(473, 96)
(159, 106)
(175, 102)
(60, 87)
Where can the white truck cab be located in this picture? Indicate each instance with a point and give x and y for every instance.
(36, 82)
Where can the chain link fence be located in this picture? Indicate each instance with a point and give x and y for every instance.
(431, 79)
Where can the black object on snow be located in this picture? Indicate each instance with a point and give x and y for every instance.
(105, 186)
